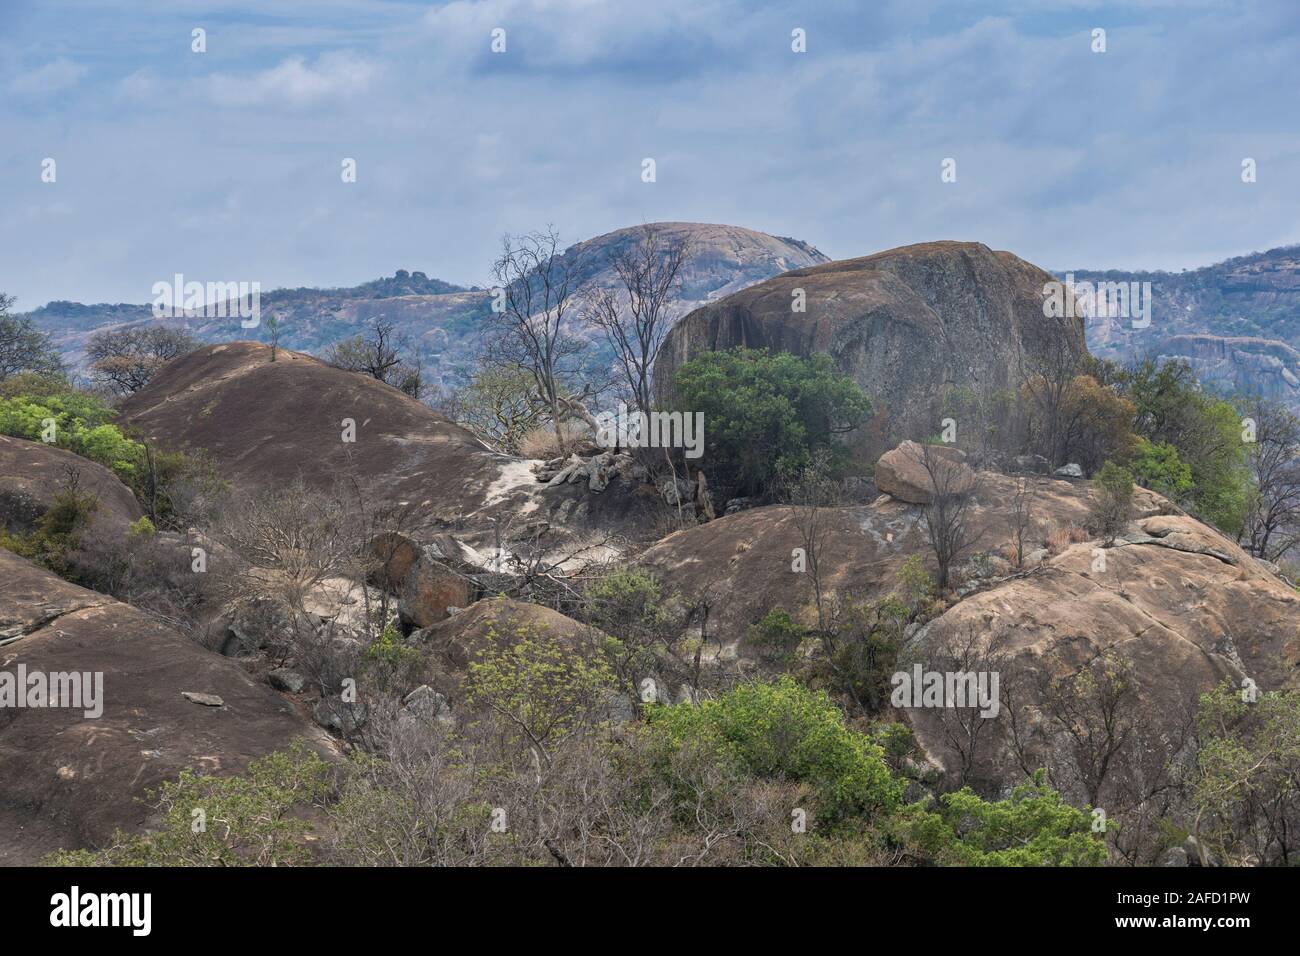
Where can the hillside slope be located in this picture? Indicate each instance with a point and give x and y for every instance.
(445, 322)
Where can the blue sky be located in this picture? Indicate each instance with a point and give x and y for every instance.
(225, 165)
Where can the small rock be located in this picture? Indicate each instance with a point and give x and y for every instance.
(425, 703)
(618, 708)
(1034, 464)
(1176, 856)
(687, 695)
(334, 714)
(1069, 471)
(207, 700)
(282, 678)
(1197, 853)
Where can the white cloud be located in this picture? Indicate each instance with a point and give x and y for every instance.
(294, 82)
(53, 77)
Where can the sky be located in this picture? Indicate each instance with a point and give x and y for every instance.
(226, 165)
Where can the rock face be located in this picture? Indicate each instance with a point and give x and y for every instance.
(1180, 603)
(909, 472)
(69, 781)
(1236, 322)
(905, 324)
(32, 474)
(267, 423)
(1251, 366)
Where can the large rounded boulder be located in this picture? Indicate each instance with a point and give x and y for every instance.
(906, 324)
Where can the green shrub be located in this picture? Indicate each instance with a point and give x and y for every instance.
(765, 413)
(143, 528)
(57, 532)
(1032, 827)
(393, 667)
(1156, 465)
(777, 636)
(785, 731)
(254, 819)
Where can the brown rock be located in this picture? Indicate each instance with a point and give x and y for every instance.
(32, 474)
(909, 472)
(906, 324)
(1182, 606)
(69, 781)
(430, 588)
(395, 554)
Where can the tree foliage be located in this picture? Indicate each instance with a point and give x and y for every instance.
(766, 413)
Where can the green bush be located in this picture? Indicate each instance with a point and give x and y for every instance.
(57, 533)
(765, 413)
(1170, 408)
(1156, 465)
(254, 819)
(785, 731)
(169, 485)
(1032, 827)
(777, 636)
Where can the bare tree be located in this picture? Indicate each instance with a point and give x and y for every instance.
(538, 285)
(968, 730)
(1095, 708)
(635, 315)
(1047, 375)
(814, 493)
(499, 405)
(1272, 525)
(1022, 513)
(953, 490)
(125, 359)
(383, 354)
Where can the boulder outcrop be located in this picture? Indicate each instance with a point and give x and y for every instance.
(911, 471)
(68, 780)
(1178, 602)
(32, 474)
(906, 324)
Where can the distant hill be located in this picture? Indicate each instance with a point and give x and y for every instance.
(446, 320)
(1236, 322)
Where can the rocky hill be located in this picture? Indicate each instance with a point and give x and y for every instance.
(444, 321)
(268, 423)
(1236, 322)
(904, 323)
(1175, 600)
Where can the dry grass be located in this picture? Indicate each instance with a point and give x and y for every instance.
(544, 444)
(1058, 539)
